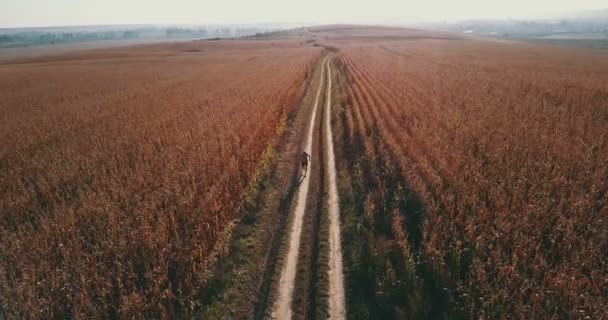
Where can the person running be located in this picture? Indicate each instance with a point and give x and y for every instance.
(305, 159)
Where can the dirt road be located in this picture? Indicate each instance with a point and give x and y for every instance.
(282, 307)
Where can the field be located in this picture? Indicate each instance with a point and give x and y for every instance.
(13, 53)
(450, 177)
(130, 162)
(480, 169)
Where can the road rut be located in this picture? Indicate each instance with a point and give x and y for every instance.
(336, 275)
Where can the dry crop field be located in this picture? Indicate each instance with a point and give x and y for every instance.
(470, 179)
(480, 177)
(119, 169)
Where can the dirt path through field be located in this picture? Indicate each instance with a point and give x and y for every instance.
(336, 276)
(282, 307)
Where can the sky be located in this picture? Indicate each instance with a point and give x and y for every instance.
(22, 13)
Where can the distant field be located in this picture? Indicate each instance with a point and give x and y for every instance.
(590, 43)
(119, 169)
(44, 50)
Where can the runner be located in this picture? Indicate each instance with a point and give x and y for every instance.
(305, 158)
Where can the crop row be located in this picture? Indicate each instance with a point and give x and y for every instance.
(507, 157)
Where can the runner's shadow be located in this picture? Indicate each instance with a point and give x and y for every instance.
(302, 177)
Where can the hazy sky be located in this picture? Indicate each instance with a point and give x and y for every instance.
(91, 12)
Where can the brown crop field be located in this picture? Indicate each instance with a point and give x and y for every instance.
(482, 174)
(335, 172)
(120, 168)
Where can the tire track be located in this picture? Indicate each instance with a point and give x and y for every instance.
(337, 309)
